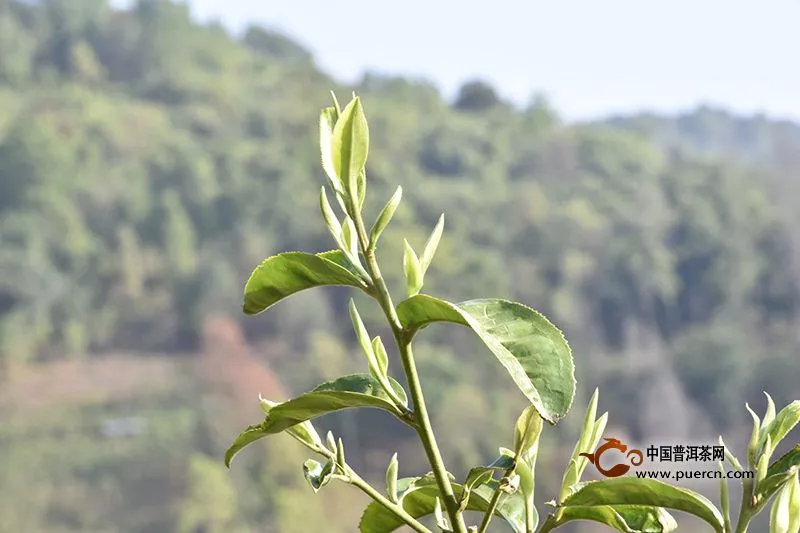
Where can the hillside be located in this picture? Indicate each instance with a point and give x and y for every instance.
(148, 163)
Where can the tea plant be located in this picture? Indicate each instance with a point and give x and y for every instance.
(532, 350)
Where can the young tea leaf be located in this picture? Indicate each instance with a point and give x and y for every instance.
(587, 430)
(767, 488)
(305, 432)
(361, 187)
(437, 512)
(350, 237)
(384, 217)
(624, 518)
(347, 392)
(336, 105)
(316, 474)
(531, 349)
(763, 462)
(431, 245)
(787, 461)
(527, 481)
(332, 223)
(381, 356)
(285, 274)
(340, 460)
(527, 431)
(645, 492)
(350, 147)
(363, 337)
(784, 422)
(412, 269)
(420, 501)
(785, 514)
(597, 434)
(753, 445)
(505, 461)
(391, 479)
(769, 415)
(327, 121)
(331, 441)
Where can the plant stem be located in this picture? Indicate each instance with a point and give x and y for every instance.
(424, 428)
(549, 525)
(745, 513)
(352, 477)
(397, 509)
(490, 511)
(487, 517)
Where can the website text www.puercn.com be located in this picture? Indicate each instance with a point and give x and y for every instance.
(678, 475)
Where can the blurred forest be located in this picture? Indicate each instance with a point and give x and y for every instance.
(148, 163)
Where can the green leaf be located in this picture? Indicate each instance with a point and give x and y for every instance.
(532, 350)
(785, 514)
(381, 357)
(350, 146)
(783, 423)
(649, 492)
(597, 434)
(340, 460)
(385, 217)
(361, 187)
(439, 514)
(753, 445)
(391, 480)
(431, 245)
(350, 237)
(777, 474)
(591, 432)
(788, 460)
(347, 392)
(327, 122)
(412, 269)
(363, 339)
(588, 428)
(527, 431)
(527, 484)
(505, 461)
(625, 518)
(419, 500)
(316, 474)
(477, 476)
(305, 432)
(332, 223)
(763, 461)
(282, 275)
(769, 415)
(336, 105)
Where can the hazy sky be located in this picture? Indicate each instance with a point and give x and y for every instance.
(590, 57)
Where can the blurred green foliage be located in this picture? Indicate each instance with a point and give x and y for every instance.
(148, 163)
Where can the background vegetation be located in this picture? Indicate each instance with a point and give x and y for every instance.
(147, 164)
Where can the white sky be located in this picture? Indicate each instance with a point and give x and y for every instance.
(589, 57)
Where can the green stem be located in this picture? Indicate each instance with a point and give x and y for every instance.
(424, 428)
(745, 511)
(351, 476)
(549, 525)
(487, 517)
(490, 511)
(396, 509)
